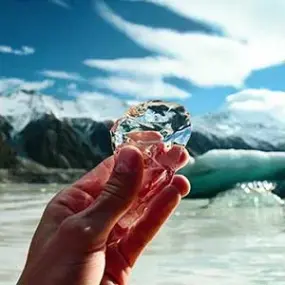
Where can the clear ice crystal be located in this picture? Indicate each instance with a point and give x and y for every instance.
(171, 120)
(154, 127)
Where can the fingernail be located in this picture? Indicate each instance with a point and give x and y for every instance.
(110, 283)
(182, 185)
(127, 160)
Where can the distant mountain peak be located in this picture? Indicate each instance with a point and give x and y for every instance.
(24, 105)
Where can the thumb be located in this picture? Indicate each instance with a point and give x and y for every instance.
(118, 193)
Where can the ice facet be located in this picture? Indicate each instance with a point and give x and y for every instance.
(171, 120)
(154, 127)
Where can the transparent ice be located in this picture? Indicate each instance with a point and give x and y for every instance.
(171, 120)
(154, 127)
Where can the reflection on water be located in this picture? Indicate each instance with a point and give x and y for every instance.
(215, 245)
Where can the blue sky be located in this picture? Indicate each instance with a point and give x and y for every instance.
(190, 51)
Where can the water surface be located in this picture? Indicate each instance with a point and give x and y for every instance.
(215, 245)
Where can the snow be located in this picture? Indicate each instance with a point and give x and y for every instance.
(252, 127)
(23, 106)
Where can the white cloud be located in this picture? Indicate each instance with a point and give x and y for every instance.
(197, 72)
(251, 20)
(93, 95)
(10, 83)
(260, 23)
(6, 83)
(141, 88)
(37, 85)
(24, 50)
(60, 74)
(6, 49)
(61, 3)
(203, 59)
(73, 91)
(258, 101)
(142, 82)
(131, 103)
(72, 86)
(96, 105)
(146, 66)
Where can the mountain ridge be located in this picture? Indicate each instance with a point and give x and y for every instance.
(67, 133)
(40, 143)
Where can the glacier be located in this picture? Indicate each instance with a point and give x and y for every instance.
(220, 170)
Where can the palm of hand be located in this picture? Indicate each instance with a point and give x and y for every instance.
(84, 251)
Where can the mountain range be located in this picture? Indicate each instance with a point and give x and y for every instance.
(44, 132)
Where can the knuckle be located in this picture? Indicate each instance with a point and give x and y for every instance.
(118, 189)
(75, 227)
(118, 179)
(114, 187)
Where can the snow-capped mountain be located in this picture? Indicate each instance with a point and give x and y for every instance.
(57, 133)
(239, 130)
(23, 106)
(74, 133)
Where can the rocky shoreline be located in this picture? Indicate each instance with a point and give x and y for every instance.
(60, 176)
(28, 171)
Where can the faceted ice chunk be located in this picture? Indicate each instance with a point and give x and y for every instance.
(154, 127)
(171, 120)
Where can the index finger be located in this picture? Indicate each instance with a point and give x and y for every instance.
(176, 158)
(157, 213)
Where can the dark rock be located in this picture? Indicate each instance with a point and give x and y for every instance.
(28, 171)
(201, 143)
(7, 153)
(57, 144)
(96, 133)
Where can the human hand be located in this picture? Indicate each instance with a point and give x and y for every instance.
(70, 245)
